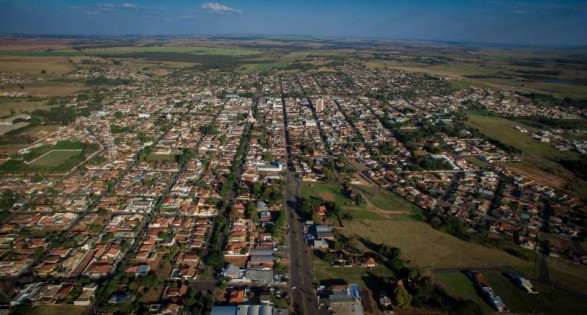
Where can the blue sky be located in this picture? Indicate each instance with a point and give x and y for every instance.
(508, 22)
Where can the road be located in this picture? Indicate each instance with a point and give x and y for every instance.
(303, 297)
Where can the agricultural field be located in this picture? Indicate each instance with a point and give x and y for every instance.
(523, 70)
(195, 50)
(17, 105)
(54, 66)
(55, 158)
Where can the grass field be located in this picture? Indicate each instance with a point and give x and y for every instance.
(55, 66)
(425, 247)
(20, 106)
(515, 299)
(364, 277)
(568, 274)
(380, 204)
(387, 200)
(261, 67)
(196, 50)
(55, 157)
(501, 129)
(58, 310)
(458, 285)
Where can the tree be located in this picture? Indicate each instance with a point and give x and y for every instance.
(256, 189)
(359, 199)
(401, 297)
(133, 286)
(43, 71)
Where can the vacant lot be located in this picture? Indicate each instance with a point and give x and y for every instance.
(428, 248)
(364, 277)
(55, 157)
(501, 129)
(380, 204)
(58, 310)
(458, 285)
(568, 274)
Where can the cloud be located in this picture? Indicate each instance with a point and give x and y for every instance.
(127, 5)
(219, 8)
(99, 8)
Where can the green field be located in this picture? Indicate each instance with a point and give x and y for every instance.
(58, 310)
(501, 129)
(425, 247)
(459, 285)
(194, 50)
(55, 158)
(364, 277)
(387, 200)
(381, 204)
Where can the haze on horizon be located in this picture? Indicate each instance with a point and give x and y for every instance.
(500, 22)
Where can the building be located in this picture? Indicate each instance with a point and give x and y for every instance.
(319, 105)
(248, 310)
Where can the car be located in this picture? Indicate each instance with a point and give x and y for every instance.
(293, 287)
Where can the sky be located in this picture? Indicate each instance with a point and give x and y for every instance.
(502, 22)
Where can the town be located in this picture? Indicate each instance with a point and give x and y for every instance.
(213, 191)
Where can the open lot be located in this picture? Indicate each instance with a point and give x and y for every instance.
(364, 277)
(457, 284)
(379, 204)
(548, 300)
(501, 129)
(425, 247)
(55, 157)
(58, 310)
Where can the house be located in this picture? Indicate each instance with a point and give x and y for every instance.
(233, 272)
(87, 295)
(237, 296)
(319, 210)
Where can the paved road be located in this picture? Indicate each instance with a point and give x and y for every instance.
(303, 297)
